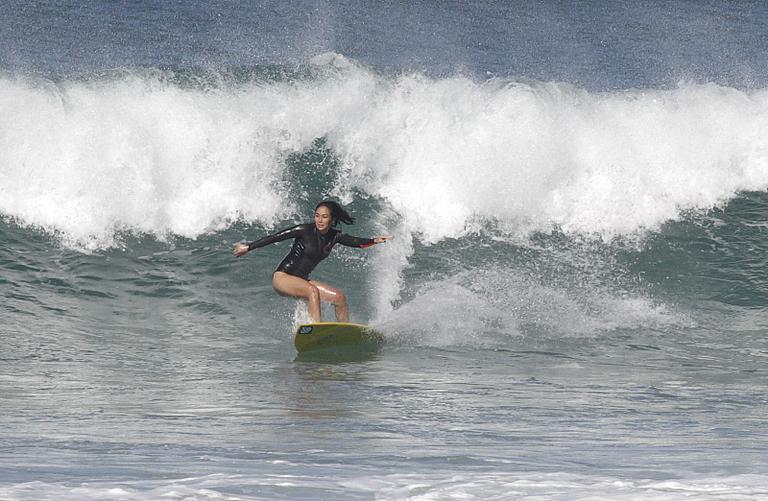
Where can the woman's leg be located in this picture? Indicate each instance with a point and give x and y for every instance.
(334, 296)
(290, 285)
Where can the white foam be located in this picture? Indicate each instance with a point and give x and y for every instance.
(447, 314)
(482, 308)
(544, 155)
(91, 159)
(437, 485)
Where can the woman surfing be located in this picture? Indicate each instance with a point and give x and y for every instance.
(312, 243)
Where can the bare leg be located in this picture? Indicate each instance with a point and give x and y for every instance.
(290, 285)
(334, 296)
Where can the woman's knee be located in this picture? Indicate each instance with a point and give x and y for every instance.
(312, 294)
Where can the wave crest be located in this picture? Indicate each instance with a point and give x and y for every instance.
(141, 153)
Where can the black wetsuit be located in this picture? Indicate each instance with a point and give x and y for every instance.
(309, 247)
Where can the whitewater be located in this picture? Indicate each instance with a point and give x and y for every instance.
(574, 303)
(144, 153)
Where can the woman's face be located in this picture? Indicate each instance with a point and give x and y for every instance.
(323, 219)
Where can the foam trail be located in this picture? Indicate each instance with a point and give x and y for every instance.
(489, 307)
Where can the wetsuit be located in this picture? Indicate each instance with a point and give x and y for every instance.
(309, 247)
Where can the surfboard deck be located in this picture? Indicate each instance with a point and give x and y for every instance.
(325, 335)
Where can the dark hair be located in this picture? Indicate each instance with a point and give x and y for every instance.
(338, 214)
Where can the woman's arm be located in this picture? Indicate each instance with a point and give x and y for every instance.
(361, 243)
(381, 239)
(293, 232)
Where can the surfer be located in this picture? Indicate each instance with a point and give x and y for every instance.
(312, 243)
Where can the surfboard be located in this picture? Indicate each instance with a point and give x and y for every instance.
(325, 335)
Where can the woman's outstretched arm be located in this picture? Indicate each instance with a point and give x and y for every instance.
(362, 243)
(241, 249)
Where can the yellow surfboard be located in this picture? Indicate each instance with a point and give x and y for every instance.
(324, 335)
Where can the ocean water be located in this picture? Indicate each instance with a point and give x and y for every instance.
(575, 303)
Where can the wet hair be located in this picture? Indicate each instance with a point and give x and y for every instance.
(338, 213)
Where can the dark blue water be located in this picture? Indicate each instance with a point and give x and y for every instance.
(591, 45)
(574, 303)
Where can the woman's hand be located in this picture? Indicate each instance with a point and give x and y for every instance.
(382, 239)
(240, 250)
